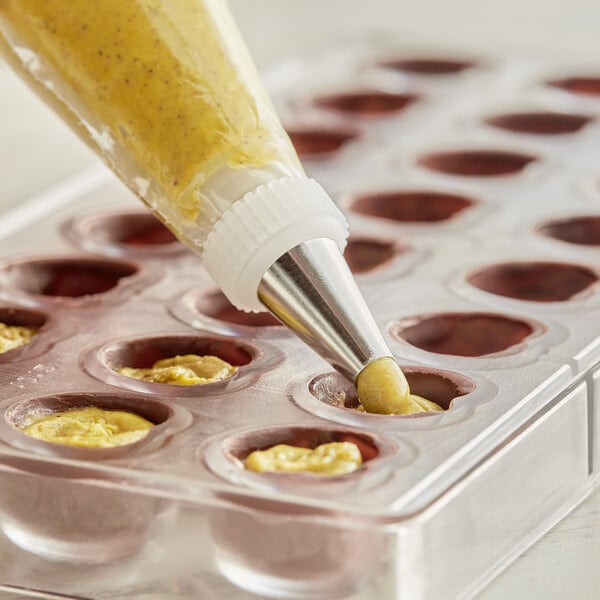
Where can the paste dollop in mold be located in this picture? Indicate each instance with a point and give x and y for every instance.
(331, 396)
(227, 362)
(18, 328)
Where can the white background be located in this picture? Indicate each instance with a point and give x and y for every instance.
(37, 151)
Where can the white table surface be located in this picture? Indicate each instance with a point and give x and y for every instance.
(37, 151)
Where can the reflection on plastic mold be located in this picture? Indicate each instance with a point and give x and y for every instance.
(367, 104)
(66, 276)
(143, 352)
(282, 551)
(315, 142)
(55, 512)
(578, 85)
(365, 255)
(539, 123)
(584, 231)
(476, 163)
(534, 281)
(122, 232)
(428, 66)
(410, 206)
(464, 334)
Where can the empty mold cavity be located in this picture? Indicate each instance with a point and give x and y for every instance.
(368, 104)
(142, 353)
(66, 277)
(215, 305)
(584, 231)
(476, 163)
(539, 123)
(69, 512)
(128, 231)
(587, 86)
(410, 206)
(534, 281)
(439, 386)
(20, 317)
(319, 141)
(365, 255)
(428, 66)
(464, 334)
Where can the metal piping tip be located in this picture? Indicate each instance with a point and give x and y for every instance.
(312, 291)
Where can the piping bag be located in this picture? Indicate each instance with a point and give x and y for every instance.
(166, 93)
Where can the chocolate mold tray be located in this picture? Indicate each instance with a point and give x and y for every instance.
(469, 246)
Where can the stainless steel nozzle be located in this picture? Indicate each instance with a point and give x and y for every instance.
(312, 291)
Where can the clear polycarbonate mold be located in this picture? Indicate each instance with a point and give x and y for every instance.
(471, 186)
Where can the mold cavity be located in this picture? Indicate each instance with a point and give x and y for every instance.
(66, 277)
(22, 317)
(584, 231)
(366, 103)
(240, 446)
(16, 317)
(217, 306)
(534, 281)
(462, 334)
(441, 387)
(113, 233)
(539, 123)
(142, 353)
(476, 163)
(49, 507)
(317, 141)
(413, 206)
(428, 66)
(132, 229)
(578, 85)
(155, 411)
(364, 255)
